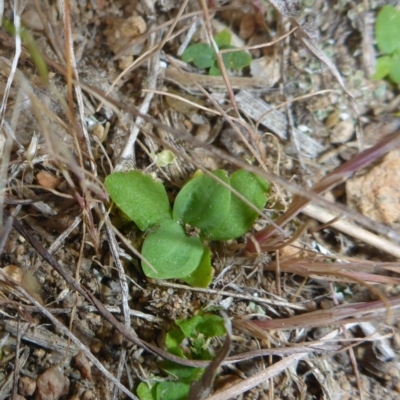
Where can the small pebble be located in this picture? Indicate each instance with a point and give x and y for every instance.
(342, 132)
(47, 180)
(396, 386)
(83, 364)
(88, 395)
(396, 341)
(26, 386)
(50, 385)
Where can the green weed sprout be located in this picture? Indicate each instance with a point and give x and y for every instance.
(203, 55)
(31, 46)
(387, 33)
(196, 333)
(204, 210)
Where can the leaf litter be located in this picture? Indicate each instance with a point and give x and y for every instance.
(297, 315)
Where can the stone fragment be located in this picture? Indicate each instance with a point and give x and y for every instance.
(376, 193)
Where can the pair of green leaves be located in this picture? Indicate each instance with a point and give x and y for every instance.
(197, 332)
(387, 32)
(203, 204)
(203, 55)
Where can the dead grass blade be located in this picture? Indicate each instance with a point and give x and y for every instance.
(323, 268)
(343, 314)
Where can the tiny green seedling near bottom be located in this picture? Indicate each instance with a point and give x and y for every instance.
(197, 333)
(204, 210)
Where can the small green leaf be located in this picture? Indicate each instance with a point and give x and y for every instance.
(172, 390)
(240, 59)
(199, 348)
(226, 57)
(165, 157)
(202, 55)
(236, 59)
(387, 29)
(382, 67)
(31, 46)
(223, 38)
(202, 275)
(174, 338)
(189, 325)
(203, 203)
(212, 325)
(144, 392)
(185, 374)
(241, 217)
(394, 73)
(171, 252)
(203, 354)
(144, 201)
(214, 70)
(177, 351)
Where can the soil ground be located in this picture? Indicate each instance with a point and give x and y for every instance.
(58, 146)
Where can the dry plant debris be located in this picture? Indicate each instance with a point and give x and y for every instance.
(310, 295)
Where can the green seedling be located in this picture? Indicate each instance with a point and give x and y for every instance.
(191, 340)
(31, 46)
(204, 210)
(387, 33)
(203, 55)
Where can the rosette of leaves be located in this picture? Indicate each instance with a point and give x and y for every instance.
(202, 55)
(205, 209)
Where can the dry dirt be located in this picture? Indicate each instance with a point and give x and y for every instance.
(58, 143)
